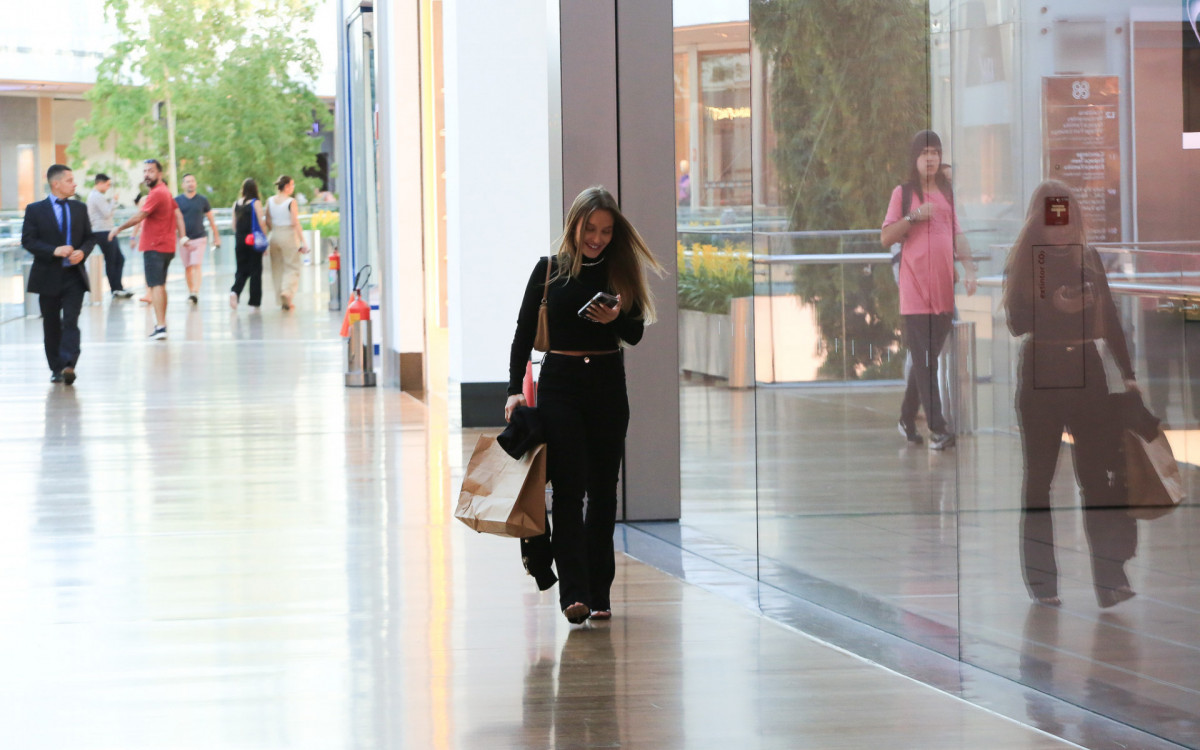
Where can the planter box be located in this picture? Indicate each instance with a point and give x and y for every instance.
(718, 346)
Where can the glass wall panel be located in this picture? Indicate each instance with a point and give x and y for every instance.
(851, 514)
(13, 259)
(1090, 286)
(713, 96)
(363, 204)
(1004, 525)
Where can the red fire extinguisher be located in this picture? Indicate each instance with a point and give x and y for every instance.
(335, 279)
(358, 309)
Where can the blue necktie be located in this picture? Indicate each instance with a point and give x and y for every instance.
(64, 223)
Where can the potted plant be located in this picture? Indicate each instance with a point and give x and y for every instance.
(710, 279)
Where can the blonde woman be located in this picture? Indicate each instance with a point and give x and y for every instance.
(1057, 298)
(287, 240)
(582, 400)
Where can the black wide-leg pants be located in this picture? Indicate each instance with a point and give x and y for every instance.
(1087, 412)
(585, 413)
(249, 268)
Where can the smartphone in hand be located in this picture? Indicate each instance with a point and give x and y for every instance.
(601, 298)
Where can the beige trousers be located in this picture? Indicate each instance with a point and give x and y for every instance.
(285, 263)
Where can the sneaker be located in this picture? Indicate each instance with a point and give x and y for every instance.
(122, 294)
(940, 441)
(160, 333)
(909, 433)
(233, 300)
(193, 299)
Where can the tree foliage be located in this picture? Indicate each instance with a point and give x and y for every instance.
(231, 73)
(849, 86)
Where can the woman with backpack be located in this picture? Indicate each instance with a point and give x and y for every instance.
(921, 216)
(249, 260)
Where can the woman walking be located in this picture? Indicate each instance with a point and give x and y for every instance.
(249, 260)
(928, 228)
(287, 241)
(581, 393)
(1056, 295)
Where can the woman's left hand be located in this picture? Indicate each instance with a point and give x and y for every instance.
(1132, 386)
(604, 314)
(303, 250)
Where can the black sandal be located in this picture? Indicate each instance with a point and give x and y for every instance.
(577, 613)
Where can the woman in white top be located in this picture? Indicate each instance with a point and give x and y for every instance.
(287, 241)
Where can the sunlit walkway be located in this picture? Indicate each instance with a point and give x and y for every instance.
(210, 543)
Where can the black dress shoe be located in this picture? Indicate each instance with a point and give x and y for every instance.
(56, 377)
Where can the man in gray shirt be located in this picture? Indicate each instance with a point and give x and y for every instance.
(195, 208)
(100, 214)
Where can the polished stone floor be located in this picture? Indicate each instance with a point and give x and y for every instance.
(829, 504)
(209, 542)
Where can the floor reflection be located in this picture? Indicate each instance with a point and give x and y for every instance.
(212, 543)
(928, 548)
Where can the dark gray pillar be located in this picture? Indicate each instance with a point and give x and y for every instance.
(618, 130)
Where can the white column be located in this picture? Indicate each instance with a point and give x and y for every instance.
(497, 185)
(401, 234)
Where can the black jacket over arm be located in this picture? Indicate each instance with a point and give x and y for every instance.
(40, 235)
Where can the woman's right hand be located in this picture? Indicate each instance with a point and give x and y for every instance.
(925, 212)
(513, 402)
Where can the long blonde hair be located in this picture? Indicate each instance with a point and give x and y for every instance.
(1018, 281)
(627, 255)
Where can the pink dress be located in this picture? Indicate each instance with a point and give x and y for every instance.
(927, 258)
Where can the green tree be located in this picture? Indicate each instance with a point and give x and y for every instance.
(849, 86)
(214, 87)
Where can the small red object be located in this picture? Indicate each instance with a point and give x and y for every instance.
(529, 386)
(1058, 212)
(357, 310)
(250, 240)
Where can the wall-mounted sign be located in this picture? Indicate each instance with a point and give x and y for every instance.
(1081, 146)
(728, 113)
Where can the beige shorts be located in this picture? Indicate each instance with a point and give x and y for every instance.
(193, 251)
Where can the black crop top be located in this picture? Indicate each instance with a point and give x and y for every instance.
(568, 331)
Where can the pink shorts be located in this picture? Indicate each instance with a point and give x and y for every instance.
(193, 251)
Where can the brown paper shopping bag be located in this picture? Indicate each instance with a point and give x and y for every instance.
(502, 495)
(1153, 481)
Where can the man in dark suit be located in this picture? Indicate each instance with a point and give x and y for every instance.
(58, 234)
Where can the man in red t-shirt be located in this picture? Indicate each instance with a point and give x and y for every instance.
(161, 235)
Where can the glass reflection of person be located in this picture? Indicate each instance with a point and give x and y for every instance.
(1057, 297)
(931, 241)
(684, 194)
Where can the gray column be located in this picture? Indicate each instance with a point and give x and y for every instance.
(618, 130)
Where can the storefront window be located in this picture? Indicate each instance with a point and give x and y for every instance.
(1058, 327)
(725, 126)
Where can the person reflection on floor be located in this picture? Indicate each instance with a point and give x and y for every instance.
(1057, 297)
